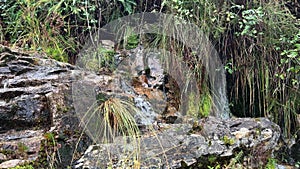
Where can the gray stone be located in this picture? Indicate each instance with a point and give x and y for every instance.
(182, 144)
(11, 163)
(2, 157)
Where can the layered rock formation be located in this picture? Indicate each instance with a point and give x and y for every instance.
(38, 122)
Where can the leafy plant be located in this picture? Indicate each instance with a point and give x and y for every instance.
(251, 18)
(128, 5)
(262, 65)
(218, 166)
(271, 163)
(23, 27)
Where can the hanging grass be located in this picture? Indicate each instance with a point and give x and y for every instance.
(112, 120)
(256, 44)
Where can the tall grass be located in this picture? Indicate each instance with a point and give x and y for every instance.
(258, 43)
(261, 83)
(58, 27)
(112, 121)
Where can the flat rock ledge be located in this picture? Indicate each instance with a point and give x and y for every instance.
(186, 145)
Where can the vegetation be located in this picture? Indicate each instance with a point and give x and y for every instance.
(258, 42)
(112, 119)
(27, 166)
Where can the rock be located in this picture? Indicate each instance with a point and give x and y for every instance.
(39, 95)
(35, 96)
(44, 101)
(179, 145)
(278, 166)
(21, 143)
(11, 163)
(2, 157)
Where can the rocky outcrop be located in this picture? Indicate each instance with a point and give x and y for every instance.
(37, 106)
(35, 109)
(185, 145)
(38, 121)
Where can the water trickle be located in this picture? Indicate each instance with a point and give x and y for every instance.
(221, 101)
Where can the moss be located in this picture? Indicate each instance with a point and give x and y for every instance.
(228, 141)
(193, 106)
(26, 166)
(206, 103)
(63, 109)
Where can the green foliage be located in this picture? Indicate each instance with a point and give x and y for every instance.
(271, 163)
(205, 105)
(49, 136)
(36, 25)
(212, 159)
(56, 54)
(132, 42)
(128, 5)
(297, 165)
(229, 67)
(261, 42)
(263, 65)
(28, 166)
(290, 60)
(206, 14)
(111, 119)
(100, 58)
(235, 160)
(22, 148)
(57, 27)
(218, 166)
(48, 153)
(118, 118)
(228, 141)
(249, 20)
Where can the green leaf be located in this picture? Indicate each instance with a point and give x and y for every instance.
(293, 54)
(297, 46)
